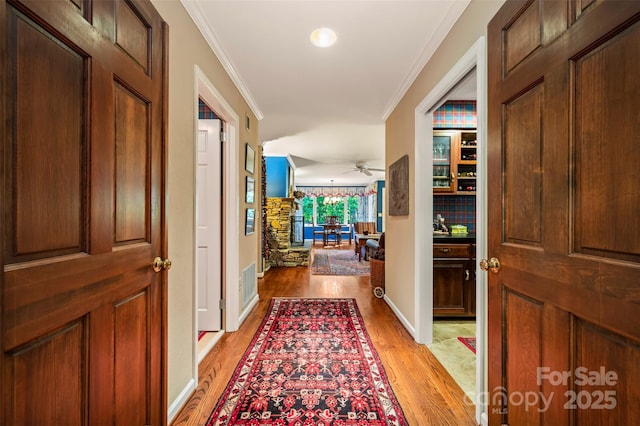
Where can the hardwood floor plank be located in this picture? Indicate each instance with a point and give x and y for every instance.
(426, 392)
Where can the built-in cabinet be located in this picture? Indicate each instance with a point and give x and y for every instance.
(454, 161)
(454, 281)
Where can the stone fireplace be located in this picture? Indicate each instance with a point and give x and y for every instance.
(281, 251)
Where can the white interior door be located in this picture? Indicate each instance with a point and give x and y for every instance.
(208, 225)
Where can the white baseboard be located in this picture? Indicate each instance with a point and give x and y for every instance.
(401, 317)
(203, 350)
(248, 309)
(178, 403)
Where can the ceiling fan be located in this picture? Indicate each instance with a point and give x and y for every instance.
(363, 168)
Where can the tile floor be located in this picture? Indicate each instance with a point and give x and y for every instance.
(459, 361)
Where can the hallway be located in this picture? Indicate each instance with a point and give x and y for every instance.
(426, 392)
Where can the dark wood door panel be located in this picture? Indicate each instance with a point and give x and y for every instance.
(41, 298)
(607, 374)
(131, 336)
(48, 111)
(606, 150)
(523, 318)
(49, 379)
(522, 36)
(575, 368)
(132, 157)
(133, 34)
(535, 24)
(523, 188)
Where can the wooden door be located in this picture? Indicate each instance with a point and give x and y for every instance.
(82, 125)
(564, 96)
(209, 225)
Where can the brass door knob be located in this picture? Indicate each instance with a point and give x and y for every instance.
(492, 265)
(159, 264)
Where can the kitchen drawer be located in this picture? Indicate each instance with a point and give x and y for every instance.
(451, 250)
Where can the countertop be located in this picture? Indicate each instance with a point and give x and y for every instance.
(454, 239)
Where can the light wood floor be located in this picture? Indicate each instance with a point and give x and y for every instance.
(427, 393)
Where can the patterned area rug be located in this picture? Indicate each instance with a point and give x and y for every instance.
(311, 362)
(469, 342)
(337, 262)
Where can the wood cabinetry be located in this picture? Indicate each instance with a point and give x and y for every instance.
(454, 282)
(454, 161)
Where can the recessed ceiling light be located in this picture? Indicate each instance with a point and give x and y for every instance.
(323, 37)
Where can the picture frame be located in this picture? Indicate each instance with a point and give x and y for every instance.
(399, 187)
(250, 222)
(249, 196)
(250, 159)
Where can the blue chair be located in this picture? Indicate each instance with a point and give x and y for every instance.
(348, 232)
(318, 232)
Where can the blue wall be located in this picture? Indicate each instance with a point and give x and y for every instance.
(277, 176)
(379, 206)
(308, 232)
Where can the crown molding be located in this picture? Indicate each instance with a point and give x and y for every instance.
(451, 16)
(198, 16)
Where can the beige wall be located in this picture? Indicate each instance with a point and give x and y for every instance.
(188, 48)
(400, 140)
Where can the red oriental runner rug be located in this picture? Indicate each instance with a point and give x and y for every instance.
(311, 362)
(469, 342)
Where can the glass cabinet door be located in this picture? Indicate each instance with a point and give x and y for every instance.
(442, 173)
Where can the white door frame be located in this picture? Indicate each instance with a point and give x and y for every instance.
(475, 57)
(231, 202)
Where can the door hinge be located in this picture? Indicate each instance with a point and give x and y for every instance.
(223, 136)
(223, 304)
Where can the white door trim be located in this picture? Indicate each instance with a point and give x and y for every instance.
(475, 57)
(231, 205)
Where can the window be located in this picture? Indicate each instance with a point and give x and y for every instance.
(329, 209)
(352, 209)
(307, 209)
(358, 209)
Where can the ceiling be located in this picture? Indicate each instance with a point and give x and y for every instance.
(324, 108)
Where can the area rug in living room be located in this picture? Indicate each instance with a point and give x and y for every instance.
(311, 362)
(337, 262)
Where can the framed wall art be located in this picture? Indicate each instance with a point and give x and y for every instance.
(250, 223)
(250, 159)
(399, 187)
(249, 196)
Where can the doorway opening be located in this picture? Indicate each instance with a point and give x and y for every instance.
(208, 223)
(454, 211)
(226, 241)
(474, 58)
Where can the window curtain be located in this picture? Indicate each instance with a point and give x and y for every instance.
(336, 191)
